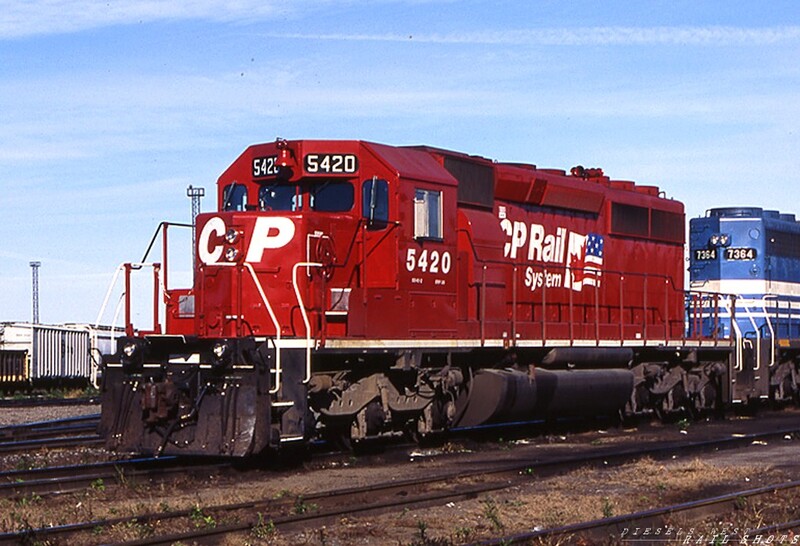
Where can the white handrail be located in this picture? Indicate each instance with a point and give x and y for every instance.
(757, 332)
(769, 324)
(739, 365)
(108, 295)
(303, 313)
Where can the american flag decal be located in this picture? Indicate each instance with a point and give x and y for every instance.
(587, 261)
(594, 259)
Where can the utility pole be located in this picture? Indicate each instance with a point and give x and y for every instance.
(195, 194)
(35, 270)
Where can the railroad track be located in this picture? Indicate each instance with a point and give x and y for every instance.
(315, 510)
(642, 526)
(71, 478)
(40, 429)
(58, 433)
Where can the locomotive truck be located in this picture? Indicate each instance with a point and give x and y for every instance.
(349, 290)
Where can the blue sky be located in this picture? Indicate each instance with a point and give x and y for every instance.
(109, 110)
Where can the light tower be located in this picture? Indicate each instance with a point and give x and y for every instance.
(195, 194)
(35, 270)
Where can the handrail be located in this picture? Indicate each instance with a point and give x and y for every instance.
(162, 225)
(769, 323)
(111, 286)
(756, 331)
(303, 313)
(739, 365)
(158, 289)
(482, 266)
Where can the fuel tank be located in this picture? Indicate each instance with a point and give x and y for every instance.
(497, 396)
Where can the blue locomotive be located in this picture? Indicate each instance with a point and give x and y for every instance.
(751, 257)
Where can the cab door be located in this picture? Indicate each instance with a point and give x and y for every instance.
(380, 237)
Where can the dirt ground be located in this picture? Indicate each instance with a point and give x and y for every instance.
(12, 415)
(542, 502)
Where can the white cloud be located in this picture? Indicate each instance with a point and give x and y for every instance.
(586, 36)
(38, 17)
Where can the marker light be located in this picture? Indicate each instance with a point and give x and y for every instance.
(231, 254)
(231, 236)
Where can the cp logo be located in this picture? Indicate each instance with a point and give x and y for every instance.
(268, 233)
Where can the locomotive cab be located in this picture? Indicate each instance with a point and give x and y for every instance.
(312, 242)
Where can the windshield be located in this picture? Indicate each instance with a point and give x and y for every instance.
(323, 196)
(279, 197)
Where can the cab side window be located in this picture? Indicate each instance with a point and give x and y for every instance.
(428, 214)
(375, 203)
(234, 197)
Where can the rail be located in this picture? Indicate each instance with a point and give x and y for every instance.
(582, 316)
(160, 280)
(654, 318)
(158, 288)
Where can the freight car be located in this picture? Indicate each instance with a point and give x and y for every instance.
(754, 255)
(50, 355)
(348, 289)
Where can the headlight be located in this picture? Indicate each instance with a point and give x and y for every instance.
(231, 236)
(220, 349)
(129, 349)
(724, 239)
(231, 254)
(132, 355)
(714, 240)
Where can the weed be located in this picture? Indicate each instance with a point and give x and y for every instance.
(491, 512)
(263, 529)
(121, 479)
(136, 529)
(608, 508)
(99, 485)
(27, 500)
(425, 540)
(303, 507)
(423, 527)
(463, 533)
(200, 519)
(25, 463)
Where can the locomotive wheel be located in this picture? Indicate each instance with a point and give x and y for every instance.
(337, 433)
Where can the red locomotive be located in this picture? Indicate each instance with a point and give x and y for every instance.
(349, 289)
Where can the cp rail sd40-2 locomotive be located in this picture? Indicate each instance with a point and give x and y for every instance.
(349, 290)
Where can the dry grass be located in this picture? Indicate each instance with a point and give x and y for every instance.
(541, 502)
